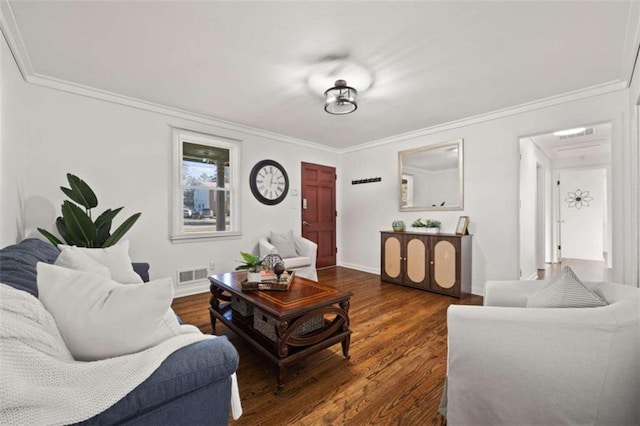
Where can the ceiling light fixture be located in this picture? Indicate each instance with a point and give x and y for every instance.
(569, 131)
(340, 99)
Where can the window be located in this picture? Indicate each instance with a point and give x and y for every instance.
(206, 200)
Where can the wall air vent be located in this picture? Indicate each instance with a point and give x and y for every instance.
(190, 276)
(574, 147)
(586, 132)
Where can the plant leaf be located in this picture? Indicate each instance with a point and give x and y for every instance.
(121, 230)
(103, 225)
(250, 259)
(107, 217)
(52, 238)
(62, 230)
(82, 191)
(103, 235)
(79, 225)
(72, 195)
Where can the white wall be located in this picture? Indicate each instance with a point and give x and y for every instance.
(531, 157)
(631, 271)
(594, 161)
(12, 155)
(125, 154)
(583, 229)
(491, 189)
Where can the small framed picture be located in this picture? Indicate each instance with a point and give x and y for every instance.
(461, 228)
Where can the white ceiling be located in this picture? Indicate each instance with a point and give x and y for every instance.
(594, 141)
(248, 62)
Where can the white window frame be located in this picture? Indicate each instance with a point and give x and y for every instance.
(177, 228)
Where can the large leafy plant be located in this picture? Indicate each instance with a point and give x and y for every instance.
(76, 225)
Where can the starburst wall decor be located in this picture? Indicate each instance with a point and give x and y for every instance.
(578, 199)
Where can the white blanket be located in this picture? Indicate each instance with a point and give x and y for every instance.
(41, 383)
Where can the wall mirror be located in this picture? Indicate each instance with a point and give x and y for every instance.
(431, 177)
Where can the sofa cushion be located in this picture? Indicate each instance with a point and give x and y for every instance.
(285, 243)
(116, 258)
(296, 262)
(80, 261)
(99, 318)
(566, 292)
(189, 371)
(18, 263)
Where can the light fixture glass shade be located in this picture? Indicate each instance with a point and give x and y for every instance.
(340, 99)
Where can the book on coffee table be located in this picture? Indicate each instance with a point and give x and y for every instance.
(269, 281)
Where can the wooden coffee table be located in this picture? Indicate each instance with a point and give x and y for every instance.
(289, 314)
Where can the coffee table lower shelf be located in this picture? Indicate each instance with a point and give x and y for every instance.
(287, 348)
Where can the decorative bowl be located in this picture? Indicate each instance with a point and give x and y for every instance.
(398, 225)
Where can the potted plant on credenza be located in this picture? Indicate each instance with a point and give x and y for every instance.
(427, 226)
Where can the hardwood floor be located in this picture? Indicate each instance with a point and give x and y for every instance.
(395, 374)
(586, 270)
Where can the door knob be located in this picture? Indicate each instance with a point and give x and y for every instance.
(304, 222)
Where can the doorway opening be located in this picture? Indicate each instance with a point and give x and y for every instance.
(565, 202)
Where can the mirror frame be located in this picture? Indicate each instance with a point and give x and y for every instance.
(460, 205)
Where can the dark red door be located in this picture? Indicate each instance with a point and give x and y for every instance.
(319, 210)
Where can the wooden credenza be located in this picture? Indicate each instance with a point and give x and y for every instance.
(440, 263)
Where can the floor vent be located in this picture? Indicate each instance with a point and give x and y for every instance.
(189, 276)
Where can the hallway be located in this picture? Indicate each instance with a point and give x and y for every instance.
(586, 270)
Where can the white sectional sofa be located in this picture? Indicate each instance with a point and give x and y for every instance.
(513, 365)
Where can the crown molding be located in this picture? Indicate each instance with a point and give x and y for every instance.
(573, 96)
(9, 29)
(91, 92)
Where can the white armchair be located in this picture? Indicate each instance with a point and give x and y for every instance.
(511, 365)
(304, 261)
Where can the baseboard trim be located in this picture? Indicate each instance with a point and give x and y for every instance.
(201, 286)
(362, 268)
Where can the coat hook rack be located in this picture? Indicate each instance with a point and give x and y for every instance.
(369, 180)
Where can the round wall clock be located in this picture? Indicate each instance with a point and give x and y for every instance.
(269, 182)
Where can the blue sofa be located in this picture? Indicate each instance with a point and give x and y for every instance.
(191, 387)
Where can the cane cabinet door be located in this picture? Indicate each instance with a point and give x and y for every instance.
(392, 258)
(445, 265)
(404, 259)
(416, 266)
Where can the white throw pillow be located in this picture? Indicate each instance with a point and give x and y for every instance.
(285, 243)
(80, 261)
(99, 318)
(116, 258)
(566, 292)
